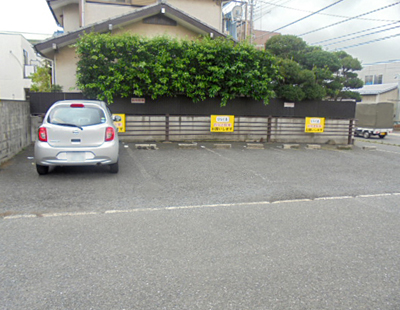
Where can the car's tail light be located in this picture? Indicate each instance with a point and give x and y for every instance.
(43, 134)
(110, 134)
(77, 105)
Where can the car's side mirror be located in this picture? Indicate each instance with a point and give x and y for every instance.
(117, 118)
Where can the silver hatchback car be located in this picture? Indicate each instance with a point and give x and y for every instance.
(77, 133)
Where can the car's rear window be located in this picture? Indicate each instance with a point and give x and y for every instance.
(82, 116)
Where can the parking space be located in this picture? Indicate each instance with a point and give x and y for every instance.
(171, 176)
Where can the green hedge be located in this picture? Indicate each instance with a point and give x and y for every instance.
(130, 65)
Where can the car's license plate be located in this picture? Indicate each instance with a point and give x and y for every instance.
(383, 133)
(76, 156)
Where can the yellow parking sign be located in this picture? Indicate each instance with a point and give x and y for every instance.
(222, 123)
(315, 124)
(120, 124)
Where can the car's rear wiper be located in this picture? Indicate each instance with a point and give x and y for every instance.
(69, 125)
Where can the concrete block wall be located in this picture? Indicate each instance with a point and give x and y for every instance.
(15, 128)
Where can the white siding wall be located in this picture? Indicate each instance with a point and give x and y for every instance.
(97, 12)
(12, 67)
(71, 17)
(65, 61)
(388, 70)
(207, 11)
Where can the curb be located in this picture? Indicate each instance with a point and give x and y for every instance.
(255, 146)
(146, 146)
(290, 146)
(187, 146)
(313, 146)
(222, 146)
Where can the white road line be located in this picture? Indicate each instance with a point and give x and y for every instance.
(68, 214)
(290, 201)
(334, 198)
(11, 217)
(220, 205)
(374, 195)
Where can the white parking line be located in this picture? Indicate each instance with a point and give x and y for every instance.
(220, 205)
(334, 198)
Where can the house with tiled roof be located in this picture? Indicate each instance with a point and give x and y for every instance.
(378, 92)
(177, 18)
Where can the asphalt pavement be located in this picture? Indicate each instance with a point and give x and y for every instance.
(204, 229)
(171, 176)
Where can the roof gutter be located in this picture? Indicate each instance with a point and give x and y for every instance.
(54, 15)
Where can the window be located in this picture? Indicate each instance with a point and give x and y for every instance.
(76, 116)
(28, 68)
(378, 79)
(369, 79)
(26, 58)
(373, 79)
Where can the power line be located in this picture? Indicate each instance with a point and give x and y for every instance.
(326, 14)
(346, 20)
(361, 36)
(268, 7)
(368, 42)
(350, 34)
(316, 12)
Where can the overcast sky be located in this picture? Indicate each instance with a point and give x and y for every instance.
(33, 17)
(274, 14)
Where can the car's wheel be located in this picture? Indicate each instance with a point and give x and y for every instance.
(42, 169)
(114, 168)
(382, 136)
(366, 134)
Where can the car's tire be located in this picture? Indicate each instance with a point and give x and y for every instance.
(42, 170)
(114, 168)
(382, 136)
(366, 134)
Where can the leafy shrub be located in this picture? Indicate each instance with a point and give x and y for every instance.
(130, 65)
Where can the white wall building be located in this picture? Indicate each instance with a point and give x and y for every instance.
(382, 84)
(18, 60)
(380, 73)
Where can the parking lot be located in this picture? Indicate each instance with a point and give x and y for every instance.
(205, 228)
(170, 176)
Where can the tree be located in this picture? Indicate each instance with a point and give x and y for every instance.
(41, 80)
(287, 47)
(348, 77)
(126, 65)
(319, 73)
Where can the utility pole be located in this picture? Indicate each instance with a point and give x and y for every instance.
(246, 21)
(251, 20)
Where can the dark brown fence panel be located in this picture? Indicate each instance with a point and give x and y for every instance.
(40, 102)
(239, 106)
